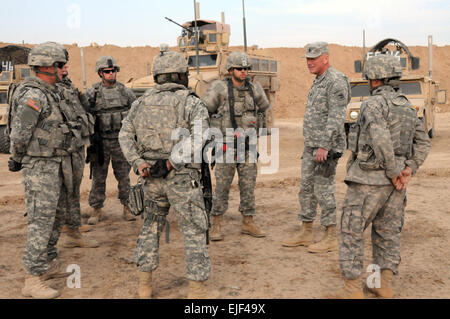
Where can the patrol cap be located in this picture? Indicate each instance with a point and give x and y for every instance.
(316, 49)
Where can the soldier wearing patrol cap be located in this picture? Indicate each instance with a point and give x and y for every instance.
(388, 145)
(109, 102)
(43, 139)
(324, 142)
(168, 178)
(234, 104)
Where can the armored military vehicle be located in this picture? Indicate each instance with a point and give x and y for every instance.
(212, 53)
(421, 90)
(14, 70)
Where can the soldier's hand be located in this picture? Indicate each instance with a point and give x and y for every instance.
(397, 183)
(144, 169)
(405, 175)
(169, 165)
(14, 166)
(321, 155)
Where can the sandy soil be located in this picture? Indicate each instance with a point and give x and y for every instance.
(242, 266)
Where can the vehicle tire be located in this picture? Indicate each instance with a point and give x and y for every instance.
(4, 141)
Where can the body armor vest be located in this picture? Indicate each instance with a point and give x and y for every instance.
(160, 113)
(111, 107)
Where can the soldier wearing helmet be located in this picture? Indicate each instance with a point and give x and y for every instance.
(167, 177)
(235, 104)
(109, 102)
(388, 145)
(324, 143)
(43, 139)
(75, 107)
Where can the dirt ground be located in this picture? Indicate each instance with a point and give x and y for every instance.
(242, 266)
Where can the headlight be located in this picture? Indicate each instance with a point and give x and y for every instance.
(353, 115)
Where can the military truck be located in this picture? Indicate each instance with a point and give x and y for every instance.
(421, 90)
(213, 50)
(14, 70)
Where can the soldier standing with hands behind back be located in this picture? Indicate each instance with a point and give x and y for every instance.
(110, 101)
(325, 141)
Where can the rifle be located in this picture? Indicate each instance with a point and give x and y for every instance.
(95, 152)
(205, 180)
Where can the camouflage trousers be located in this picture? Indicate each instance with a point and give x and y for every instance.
(180, 190)
(224, 174)
(316, 190)
(384, 207)
(121, 169)
(45, 195)
(73, 210)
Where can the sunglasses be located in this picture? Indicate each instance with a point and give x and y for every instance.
(109, 71)
(60, 65)
(240, 69)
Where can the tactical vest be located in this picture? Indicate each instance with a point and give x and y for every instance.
(76, 114)
(111, 107)
(400, 116)
(54, 135)
(160, 113)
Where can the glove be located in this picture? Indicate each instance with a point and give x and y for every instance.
(14, 166)
(159, 169)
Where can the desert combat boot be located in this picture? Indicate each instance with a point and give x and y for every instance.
(351, 290)
(35, 287)
(304, 238)
(127, 215)
(75, 239)
(96, 216)
(197, 290)
(215, 233)
(249, 227)
(145, 285)
(385, 291)
(328, 243)
(55, 271)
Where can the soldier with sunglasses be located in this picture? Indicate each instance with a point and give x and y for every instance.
(234, 104)
(109, 101)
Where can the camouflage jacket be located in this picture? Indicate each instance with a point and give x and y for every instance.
(109, 105)
(326, 107)
(390, 136)
(217, 103)
(156, 123)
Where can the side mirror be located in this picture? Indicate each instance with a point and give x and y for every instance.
(442, 96)
(415, 63)
(358, 66)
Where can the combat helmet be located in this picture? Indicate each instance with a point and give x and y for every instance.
(238, 60)
(169, 62)
(382, 66)
(104, 62)
(47, 54)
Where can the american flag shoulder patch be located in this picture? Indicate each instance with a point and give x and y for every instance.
(34, 105)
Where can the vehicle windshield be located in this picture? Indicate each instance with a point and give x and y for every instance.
(407, 88)
(204, 60)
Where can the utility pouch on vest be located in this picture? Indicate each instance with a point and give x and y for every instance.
(116, 121)
(105, 122)
(136, 199)
(353, 135)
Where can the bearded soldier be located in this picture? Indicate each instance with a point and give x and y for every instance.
(325, 141)
(43, 139)
(168, 177)
(235, 104)
(109, 102)
(388, 145)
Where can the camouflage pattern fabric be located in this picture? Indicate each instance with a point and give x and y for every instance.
(238, 60)
(121, 168)
(46, 54)
(383, 66)
(105, 62)
(323, 127)
(390, 137)
(316, 189)
(169, 62)
(159, 111)
(216, 100)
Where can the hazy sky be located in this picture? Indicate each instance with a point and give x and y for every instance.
(270, 23)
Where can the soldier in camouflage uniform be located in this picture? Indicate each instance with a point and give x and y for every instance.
(43, 138)
(75, 106)
(325, 141)
(235, 104)
(109, 102)
(388, 145)
(168, 180)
